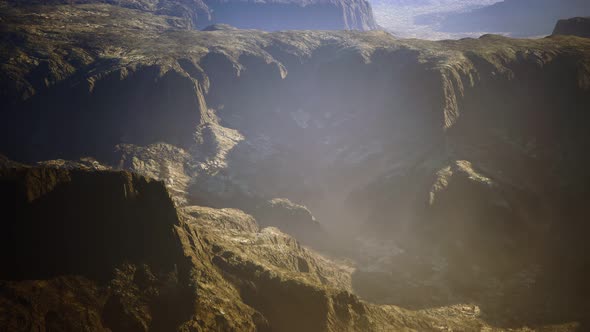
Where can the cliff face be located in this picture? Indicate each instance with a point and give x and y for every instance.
(114, 209)
(577, 26)
(106, 238)
(449, 172)
(500, 184)
(108, 251)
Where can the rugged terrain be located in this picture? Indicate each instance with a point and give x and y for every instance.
(100, 250)
(265, 15)
(447, 178)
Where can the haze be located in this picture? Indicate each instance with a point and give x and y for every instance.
(454, 19)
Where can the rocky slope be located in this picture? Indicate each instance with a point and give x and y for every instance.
(108, 251)
(266, 15)
(577, 26)
(452, 174)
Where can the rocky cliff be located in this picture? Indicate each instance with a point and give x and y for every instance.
(265, 15)
(108, 251)
(577, 26)
(448, 174)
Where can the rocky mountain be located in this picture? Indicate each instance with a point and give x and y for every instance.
(446, 181)
(518, 18)
(577, 26)
(266, 15)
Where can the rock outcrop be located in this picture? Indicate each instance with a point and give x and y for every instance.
(577, 26)
(291, 218)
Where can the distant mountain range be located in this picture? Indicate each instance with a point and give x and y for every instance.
(453, 19)
(519, 18)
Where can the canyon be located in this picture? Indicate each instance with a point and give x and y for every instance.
(165, 178)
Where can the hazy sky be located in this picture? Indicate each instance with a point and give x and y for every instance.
(398, 16)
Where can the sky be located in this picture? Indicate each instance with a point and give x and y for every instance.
(397, 16)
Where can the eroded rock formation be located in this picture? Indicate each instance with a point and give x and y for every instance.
(98, 250)
(265, 15)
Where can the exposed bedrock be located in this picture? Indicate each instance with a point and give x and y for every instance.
(451, 172)
(108, 251)
(267, 15)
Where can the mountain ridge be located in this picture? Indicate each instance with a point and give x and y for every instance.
(264, 15)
